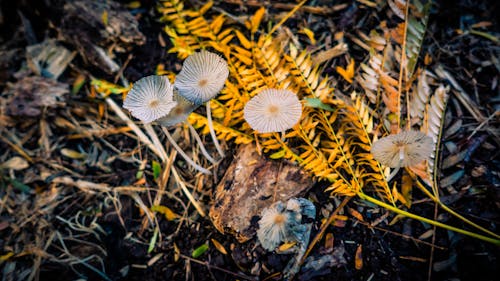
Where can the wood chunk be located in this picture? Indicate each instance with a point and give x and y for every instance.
(31, 94)
(97, 28)
(48, 59)
(252, 183)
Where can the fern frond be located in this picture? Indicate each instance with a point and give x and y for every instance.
(417, 25)
(398, 7)
(369, 78)
(358, 126)
(420, 95)
(226, 133)
(434, 122)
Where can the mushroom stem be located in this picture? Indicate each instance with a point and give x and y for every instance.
(183, 154)
(393, 173)
(212, 131)
(200, 143)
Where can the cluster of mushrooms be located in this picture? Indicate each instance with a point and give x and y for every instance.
(203, 75)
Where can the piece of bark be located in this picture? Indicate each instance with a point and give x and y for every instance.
(48, 59)
(250, 184)
(30, 95)
(97, 28)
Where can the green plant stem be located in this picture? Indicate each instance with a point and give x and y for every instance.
(447, 209)
(426, 220)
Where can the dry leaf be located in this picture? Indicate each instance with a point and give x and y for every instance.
(348, 72)
(356, 214)
(70, 153)
(358, 258)
(15, 163)
(169, 214)
(219, 246)
(329, 241)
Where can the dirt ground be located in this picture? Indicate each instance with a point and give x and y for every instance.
(43, 202)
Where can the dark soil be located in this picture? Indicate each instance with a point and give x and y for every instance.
(390, 252)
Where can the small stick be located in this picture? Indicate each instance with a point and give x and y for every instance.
(200, 143)
(187, 193)
(183, 154)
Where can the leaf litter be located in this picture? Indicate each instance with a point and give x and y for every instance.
(82, 197)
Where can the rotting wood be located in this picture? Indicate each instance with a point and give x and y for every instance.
(251, 183)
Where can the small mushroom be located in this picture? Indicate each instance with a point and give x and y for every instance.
(179, 113)
(273, 110)
(150, 98)
(273, 226)
(286, 223)
(153, 98)
(202, 76)
(405, 149)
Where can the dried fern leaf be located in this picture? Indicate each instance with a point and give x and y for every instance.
(415, 32)
(226, 133)
(420, 95)
(434, 122)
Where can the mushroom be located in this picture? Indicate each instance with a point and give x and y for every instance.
(404, 149)
(273, 110)
(150, 98)
(286, 223)
(273, 226)
(179, 113)
(202, 76)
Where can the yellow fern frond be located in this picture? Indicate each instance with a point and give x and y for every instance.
(224, 133)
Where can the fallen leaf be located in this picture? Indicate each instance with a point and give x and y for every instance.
(15, 163)
(310, 34)
(199, 251)
(329, 241)
(356, 214)
(451, 179)
(219, 246)
(348, 72)
(358, 258)
(70, 153)
(169, 214)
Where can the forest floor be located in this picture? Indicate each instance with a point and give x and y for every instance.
(76, 187)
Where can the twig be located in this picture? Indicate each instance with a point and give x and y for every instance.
(400, 235)
(323, 228)
(200, 143)
(209, 266)
(183, 154)
(494, 114)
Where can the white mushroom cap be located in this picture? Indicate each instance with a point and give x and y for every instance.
(179, 113)
(405, 149)
(150, 98)
(202, 76)
(282, 222)
(273, 110)
(273, 226)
